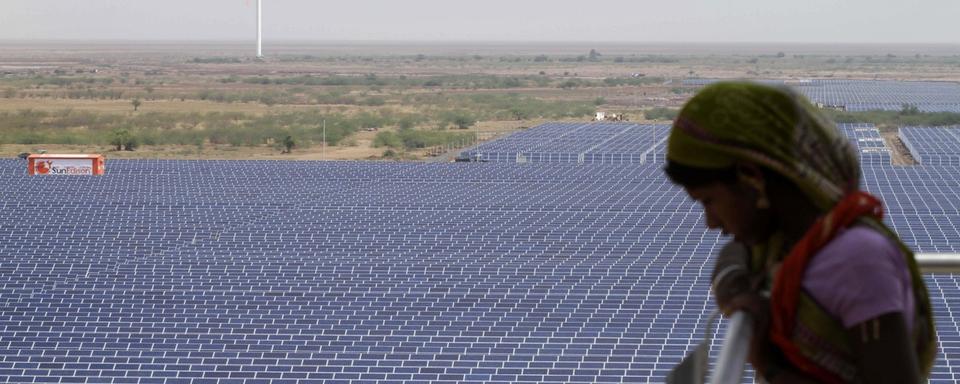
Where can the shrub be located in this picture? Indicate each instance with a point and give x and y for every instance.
(374, 101)
(660, 113)
(123, 140)
(387, 139)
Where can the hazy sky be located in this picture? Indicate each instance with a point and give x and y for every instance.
(857, 21)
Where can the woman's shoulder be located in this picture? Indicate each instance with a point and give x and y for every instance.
(858, 249)
(860, 274)
(859, 243)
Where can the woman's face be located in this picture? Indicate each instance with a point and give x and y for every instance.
(732, 208)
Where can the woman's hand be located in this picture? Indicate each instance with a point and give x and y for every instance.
(736, 289)
(731, 275)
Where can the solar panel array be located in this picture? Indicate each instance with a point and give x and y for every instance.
(623, 143)
(933, 146)
(870, 146)
(701, 82)
(595, 142)
(866, 95)
(339, 272)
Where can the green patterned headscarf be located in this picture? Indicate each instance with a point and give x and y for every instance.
(774, 127)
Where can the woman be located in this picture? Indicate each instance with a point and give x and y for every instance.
(835, 295)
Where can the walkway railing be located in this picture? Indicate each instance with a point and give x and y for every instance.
(733, 353)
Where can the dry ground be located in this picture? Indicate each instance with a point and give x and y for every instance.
(169, 70)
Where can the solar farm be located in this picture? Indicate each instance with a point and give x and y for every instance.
(867, 95)
(563, 256)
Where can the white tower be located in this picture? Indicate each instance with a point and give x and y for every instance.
(259, 30)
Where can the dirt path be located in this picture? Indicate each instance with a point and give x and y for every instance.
(901, 155)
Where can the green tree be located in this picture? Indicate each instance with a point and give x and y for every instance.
(463, 122)
(387, 139)
(571, 83)
(288, 144)
(123, 140)
(909, 110)
(519, 112)
(461, 119)
(407, 122)
(374, 101)
(660, 113)
(136, 104)
(594, 55)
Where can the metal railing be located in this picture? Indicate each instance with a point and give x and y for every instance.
(938, 262)
(733, 352)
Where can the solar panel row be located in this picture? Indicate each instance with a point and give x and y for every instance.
(866, 95)
(933, 146)
(592, 143)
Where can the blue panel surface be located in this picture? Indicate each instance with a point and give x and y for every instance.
(554, 270)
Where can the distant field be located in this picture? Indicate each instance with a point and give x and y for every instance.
(377, 101)
(123, 106)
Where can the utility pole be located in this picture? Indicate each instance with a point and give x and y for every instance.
(323, 149)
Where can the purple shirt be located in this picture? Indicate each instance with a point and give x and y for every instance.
(860, 275)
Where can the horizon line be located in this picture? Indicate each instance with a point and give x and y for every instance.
(478, 42)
